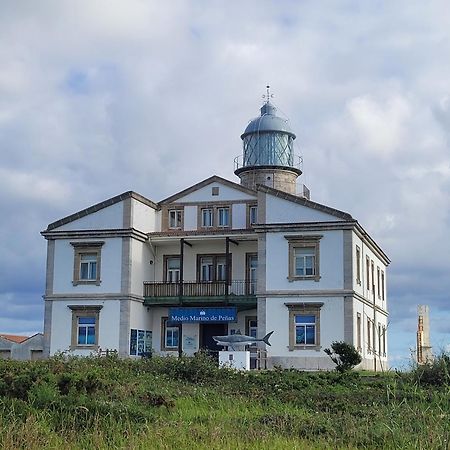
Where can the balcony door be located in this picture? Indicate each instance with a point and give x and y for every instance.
(212, 268)
(172, 274)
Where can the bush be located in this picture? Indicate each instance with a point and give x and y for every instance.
(344, 355)
(434, 373)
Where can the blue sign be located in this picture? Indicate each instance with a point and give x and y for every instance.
(202, 315)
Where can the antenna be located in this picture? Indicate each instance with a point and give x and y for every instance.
(267, 95)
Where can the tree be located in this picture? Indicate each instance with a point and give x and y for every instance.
(344, 355)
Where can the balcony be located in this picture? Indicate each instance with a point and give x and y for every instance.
(237, 293)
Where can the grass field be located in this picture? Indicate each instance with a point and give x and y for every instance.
(166, 403)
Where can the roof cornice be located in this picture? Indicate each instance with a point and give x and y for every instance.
(305, 202)
(92, 209)
(197, 186)
(95, 234)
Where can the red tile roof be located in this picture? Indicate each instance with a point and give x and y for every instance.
(14, 338)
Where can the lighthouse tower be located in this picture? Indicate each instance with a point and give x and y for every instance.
(268, 155)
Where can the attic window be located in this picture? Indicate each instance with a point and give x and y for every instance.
(215, 190)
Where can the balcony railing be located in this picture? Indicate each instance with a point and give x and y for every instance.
(200, 289)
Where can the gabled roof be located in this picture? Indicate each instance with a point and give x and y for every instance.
(305, 202)
(201, 184)
(102, 205)
(14, 338)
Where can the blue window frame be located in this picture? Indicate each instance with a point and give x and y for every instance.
(305, 329)
(86, 331)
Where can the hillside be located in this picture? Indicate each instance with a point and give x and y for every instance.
(165, 403)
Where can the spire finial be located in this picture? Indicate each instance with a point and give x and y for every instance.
(267, 95)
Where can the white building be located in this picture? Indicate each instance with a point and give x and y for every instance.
(219, 258)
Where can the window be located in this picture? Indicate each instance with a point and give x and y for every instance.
(207, 218)
(212, 267)
(87, 258)
(175, 219)
(368, 273)
(251, 326)
(304, 326)
(358, 265)
(303, 257)
(372, 267)
(88, 266)
(85, 326)
(304, 264)
(358, 331)
(379, 338)
(252, 268)
(140, 342)
(172, 274)
(382, 286)
(169, 335)
(253, 215)
(378, 282)
(223, 217)
(384, 340)
(369, 331)
(215, 190)
(305, 329)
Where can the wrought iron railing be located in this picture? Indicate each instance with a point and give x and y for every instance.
(199, 289)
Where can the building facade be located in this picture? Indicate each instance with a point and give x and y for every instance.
(218, 258)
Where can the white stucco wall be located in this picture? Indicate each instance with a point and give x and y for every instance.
(106, 218)
(141, 269)
(239, 216)
(110, 272)
(190, 218)
(226, 193)
(279, 210)
(277, 319)
(361, 288)
(62, 325)
(140, 316)
(143, 217)
(331, 262)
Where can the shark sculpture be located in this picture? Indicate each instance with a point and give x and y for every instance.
(240, 339)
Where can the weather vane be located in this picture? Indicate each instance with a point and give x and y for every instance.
(267, 95)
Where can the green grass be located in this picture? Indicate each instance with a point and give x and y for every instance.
(166, 403)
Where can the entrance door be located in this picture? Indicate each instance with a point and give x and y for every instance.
(207, 331)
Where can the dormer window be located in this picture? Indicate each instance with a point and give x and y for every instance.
(175, 219)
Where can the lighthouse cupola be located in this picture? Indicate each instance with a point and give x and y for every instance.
(268, 152)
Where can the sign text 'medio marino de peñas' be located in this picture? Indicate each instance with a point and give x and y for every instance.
(197, 315)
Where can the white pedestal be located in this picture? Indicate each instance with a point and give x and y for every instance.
(235, 360)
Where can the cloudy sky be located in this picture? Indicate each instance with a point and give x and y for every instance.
(98, 97)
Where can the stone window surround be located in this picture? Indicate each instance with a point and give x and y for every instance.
(368, 273)
(358, 265)
(358, 332)
(306, 309)
(304, 241)
(81, 248)
(165, 217)
(181, 211)
(84, 311)
(163, 336)
(215, 216)
(249, 206)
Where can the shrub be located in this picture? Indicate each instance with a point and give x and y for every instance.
(344, 355)
(435, 372)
